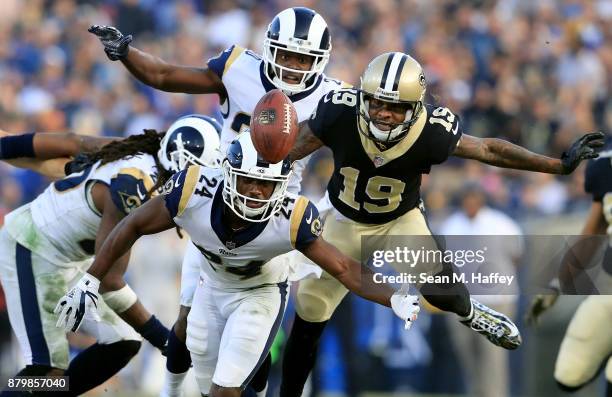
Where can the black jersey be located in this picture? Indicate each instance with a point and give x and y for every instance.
(598, 176)
(598, 182)
(373, 186)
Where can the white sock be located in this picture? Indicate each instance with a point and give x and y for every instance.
(469, 316)
(173, 384)
(263, 392)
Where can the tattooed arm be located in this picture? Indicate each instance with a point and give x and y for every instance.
(504, 154)
(306, 143)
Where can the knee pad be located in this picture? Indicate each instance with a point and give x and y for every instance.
(203, 369)
(313, 308)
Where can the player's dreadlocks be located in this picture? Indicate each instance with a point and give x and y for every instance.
(146, 143)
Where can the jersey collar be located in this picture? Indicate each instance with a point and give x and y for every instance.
(294, 98)
(380, 158)
(229, 238)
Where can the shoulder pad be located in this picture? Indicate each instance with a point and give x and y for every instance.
(222, 62)
(130, 188)
(306, 224)
(179, 189)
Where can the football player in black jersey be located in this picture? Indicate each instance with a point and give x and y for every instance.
(383, 138)
(587, 343)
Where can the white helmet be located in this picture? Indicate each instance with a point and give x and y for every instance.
(243, 160)
(192, 139)
(301, 30)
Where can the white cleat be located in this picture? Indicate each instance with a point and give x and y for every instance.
(497, 327)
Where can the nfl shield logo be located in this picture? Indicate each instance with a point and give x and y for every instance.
(378, 161)
(230, 245)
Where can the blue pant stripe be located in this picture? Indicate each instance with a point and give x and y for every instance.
(277, 323)
(29, 307)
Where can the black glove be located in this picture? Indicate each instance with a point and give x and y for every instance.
(582, 149)
(116, 45)
(77, 164)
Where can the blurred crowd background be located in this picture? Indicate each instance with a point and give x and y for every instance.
(536, 73)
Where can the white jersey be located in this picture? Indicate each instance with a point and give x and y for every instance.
(62, 223)
(240, 259)
(242, 73)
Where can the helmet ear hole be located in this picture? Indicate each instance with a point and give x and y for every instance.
(190, 140)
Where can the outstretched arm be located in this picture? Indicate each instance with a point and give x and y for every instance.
(82, 299)
(55, 149)
(44, 146)
(152, 217)
(358, 279)
(305, 144)
(504, 154)
(361, 281)
(152, 70)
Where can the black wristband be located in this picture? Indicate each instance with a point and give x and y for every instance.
(15, 146)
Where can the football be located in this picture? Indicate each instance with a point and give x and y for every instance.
(274, 126)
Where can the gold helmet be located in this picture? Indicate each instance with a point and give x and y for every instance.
(391, 77)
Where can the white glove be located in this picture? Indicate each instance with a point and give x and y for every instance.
(80, 301)
(406, 307)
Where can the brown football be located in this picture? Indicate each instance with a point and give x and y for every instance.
(274, 126)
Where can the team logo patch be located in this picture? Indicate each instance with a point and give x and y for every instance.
(266, 116)
(168, 186)
(316, 227)
(130, 202)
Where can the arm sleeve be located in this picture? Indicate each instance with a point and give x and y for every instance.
(222, 62)
(306, 224)
(324, 116)
(444, 142)
(130, 188)
(179, 189)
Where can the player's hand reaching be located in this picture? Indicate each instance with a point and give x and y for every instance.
(539, 305)
(116, 45)
(406, 307)
(582, 149)
(80, 301)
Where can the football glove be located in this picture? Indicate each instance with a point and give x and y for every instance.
(582, 149)
(541, 303)
(406, 307)
(116, 45)
(80, 301)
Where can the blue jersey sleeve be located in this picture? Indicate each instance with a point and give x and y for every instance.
(179, 189)
(130, 188)
(222, 62)
(306, 224)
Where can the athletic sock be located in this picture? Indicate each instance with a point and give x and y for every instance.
(178, 362)
(300, 355)
(173, 384)
(178, 358)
